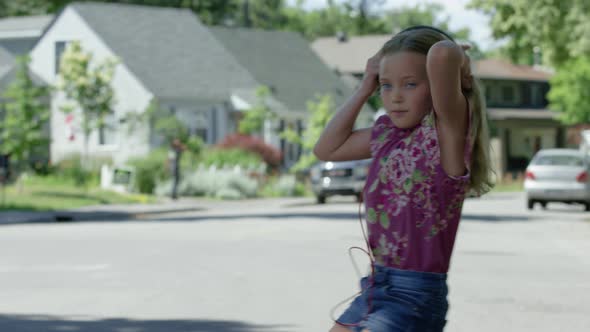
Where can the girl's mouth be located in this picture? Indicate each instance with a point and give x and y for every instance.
(397, 112)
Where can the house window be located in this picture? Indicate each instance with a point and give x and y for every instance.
(487, 93)
(60, 47)
(202, 133)
(107, 133)
(200, 125)
(508, 94)
(536, 97)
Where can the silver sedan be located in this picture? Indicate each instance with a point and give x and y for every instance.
(557, 175)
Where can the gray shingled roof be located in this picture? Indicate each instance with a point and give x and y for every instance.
(168, 49)
(24, 25)
(284, 61)
(7, 64)
(8, 68)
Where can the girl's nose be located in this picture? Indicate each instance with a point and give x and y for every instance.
(396, 96)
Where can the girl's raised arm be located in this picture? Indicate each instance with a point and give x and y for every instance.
(447, 66)
(338, 140)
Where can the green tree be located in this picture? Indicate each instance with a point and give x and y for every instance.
(88, 89)
(335, 18)
(320, 111)
(166, 124)
(569, 91)
(366, 16)
(209, 11)
(25, 118)
(321, 22)
(24, 7)
(264, 14)
(561, 29)
(175, 135)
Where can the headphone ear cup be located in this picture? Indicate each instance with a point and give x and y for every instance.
(428, 27)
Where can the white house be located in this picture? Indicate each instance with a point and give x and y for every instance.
(206, 76)
(164, 53)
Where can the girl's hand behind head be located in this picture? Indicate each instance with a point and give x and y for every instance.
(466, 75)
(371, 78)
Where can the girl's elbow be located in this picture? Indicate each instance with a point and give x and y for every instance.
(318, 153)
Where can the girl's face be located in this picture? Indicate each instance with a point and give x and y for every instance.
(404, 88)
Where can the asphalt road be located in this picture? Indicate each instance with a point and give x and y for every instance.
(281, 265)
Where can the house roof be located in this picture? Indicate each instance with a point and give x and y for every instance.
(521, 114)
(283, 61)
(8, 68)
(350, 56)
(500, 69)
(24, 26)
(168, 49)
(7, 64)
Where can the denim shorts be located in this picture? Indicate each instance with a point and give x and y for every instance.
(395, 300)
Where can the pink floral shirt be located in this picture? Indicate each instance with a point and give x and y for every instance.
(412, 206)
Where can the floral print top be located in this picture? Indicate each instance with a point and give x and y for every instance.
(412, 206)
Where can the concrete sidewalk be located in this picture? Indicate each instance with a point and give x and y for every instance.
(101, 212)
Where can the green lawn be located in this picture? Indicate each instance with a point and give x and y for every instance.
(508, 187)
(51, 193)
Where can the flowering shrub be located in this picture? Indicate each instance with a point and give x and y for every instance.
(271, 155)
(222, 184)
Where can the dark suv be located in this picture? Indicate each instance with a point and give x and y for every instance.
(339, 178)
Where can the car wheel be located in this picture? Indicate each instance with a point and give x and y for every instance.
(321, 199)
(586, 206)
(530, 204)
(543, 205)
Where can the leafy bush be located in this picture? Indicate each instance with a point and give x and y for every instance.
(71, 169)
(220, 184)
(149, 170)
(232, 157)
(271, 155)
(228, 193)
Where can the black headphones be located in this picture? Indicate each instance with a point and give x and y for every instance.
(420, 27)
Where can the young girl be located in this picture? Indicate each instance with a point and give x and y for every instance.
(428, 151)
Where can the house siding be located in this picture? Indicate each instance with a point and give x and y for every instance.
(130, 95)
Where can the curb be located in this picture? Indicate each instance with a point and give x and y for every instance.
(77, 215)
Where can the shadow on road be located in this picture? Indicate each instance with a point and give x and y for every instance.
(45, 323)
(106, 217)
(495, 218)
(331, 216)
(102, 215)
(314, 204)
(342, 216)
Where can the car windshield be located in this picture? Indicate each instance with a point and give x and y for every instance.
(559, 160)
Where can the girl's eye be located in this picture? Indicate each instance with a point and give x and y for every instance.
(385, 86)
(410, 85)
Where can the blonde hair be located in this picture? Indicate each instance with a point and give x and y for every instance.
(420, 40)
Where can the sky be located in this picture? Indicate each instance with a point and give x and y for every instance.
(455, 9)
